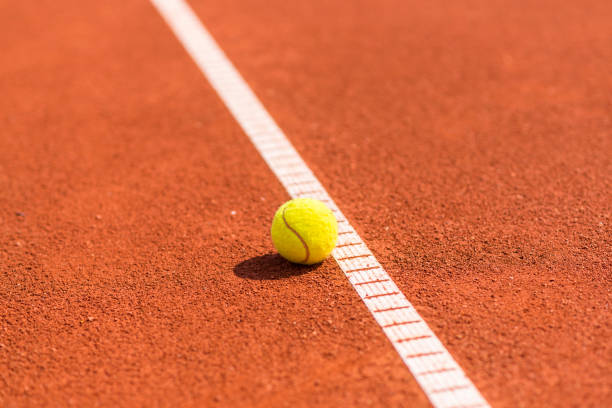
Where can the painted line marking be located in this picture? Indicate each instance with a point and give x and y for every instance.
(438, 371)
(354, 257)
(419, 355)
(381, 295)
(300, 183)
(287, 164)
(392, 309)
(349, 244)
(450, 389)
(404, 324)
(313, 192)
(296, 174)
(373, 281)
(363, 269)
(413, 338)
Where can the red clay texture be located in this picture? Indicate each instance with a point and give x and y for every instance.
(468, 142)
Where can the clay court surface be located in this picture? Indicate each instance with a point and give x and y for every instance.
(468, 142)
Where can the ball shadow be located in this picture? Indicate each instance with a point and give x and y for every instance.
(270, 267)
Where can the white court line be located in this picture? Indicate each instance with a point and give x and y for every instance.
(438, 374)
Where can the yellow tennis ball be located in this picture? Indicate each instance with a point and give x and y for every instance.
(304, 231)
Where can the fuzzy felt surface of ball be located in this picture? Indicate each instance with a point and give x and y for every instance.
(304, 231)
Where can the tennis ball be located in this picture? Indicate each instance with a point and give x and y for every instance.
(304, 231)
